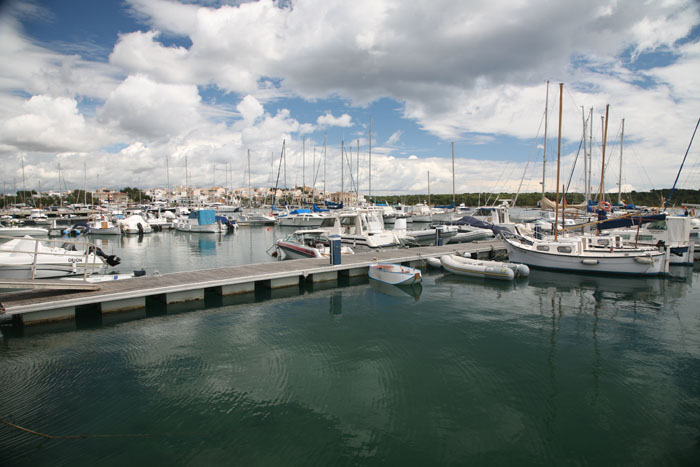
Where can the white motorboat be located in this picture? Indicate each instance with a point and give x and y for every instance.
(588, 254)
(394, 274)
(204, 221)
(134, 224)
(673, 232)
(22, 231)
(312, 243)
(257, 218)
(300, 218)
(26, 258)
(38, 217)
(102, 225)
(424, 237)
(480, 268)
(361, 229)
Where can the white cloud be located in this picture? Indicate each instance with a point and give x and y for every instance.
(328, 120)
(395, 137)
(140, 106)
(412, 157)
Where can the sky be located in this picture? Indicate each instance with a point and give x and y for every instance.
(158, 93)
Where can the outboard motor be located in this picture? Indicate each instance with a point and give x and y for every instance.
(140, 227)
(111, 260)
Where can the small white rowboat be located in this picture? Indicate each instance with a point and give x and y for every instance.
(486, 269)
(394, 274)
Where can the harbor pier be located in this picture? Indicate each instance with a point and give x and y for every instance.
(54, 303)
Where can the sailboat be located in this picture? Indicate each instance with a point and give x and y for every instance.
(588, 254)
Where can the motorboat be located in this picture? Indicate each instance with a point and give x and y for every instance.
(204, 221)
(673, 232)
(38, 217)
(300, 218)
(311, 243)
(29, 258)
(361, 229)
(256, 218)
(588, 254)
(481, 268)
(21, 231)
(134, 224)
(102, 225)
(424, 237)
(394, 274)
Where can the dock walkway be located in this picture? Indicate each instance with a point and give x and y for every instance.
(36, 306)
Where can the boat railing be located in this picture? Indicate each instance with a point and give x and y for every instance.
(84, 255)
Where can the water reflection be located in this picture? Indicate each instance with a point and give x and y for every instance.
(401, 291)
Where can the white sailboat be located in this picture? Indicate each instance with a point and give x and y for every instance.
(593, 254)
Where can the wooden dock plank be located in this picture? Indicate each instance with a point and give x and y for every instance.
(26, 302)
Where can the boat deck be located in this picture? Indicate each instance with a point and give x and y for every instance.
(48, 304)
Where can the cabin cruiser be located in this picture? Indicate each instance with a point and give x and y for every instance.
(300, 218)
(256, 218)
(134, 224)
(362, 229)
(28, 258)
(101, 224)
(38, 217)
(204, 221)
(673, 232)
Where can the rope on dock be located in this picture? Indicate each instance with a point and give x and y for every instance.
(47, 436)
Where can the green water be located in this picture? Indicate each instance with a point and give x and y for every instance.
(556, 370)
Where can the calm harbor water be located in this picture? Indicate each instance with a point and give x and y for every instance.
(556, 369)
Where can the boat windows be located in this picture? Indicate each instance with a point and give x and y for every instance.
(564, 249)
(542, 247)
(658, 225)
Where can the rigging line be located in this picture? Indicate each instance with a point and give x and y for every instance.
(681, 167)
(694, 174)
(532, 150)
(496, 184)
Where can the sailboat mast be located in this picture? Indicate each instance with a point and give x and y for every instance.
(428, 188)
(342, 171)
(325, 134)
(544, 152)
(619, 184)
(454, 205)
(585, 156)
(590, 154)
(357, 179)
(250, 192)
(303, 169)
(556, 199)
(370, 158)
(602, 170)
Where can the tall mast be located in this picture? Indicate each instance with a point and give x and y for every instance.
(167, 176)
(619, 184)
(590, 154)
(325, 134)
(250, 192)
(544, 152)
(342, 171)
(24, 189)
(556, 199)
(428, 188)
(313, 177)
(585, 157)
(602, 170)
(357, 179)
(370, 158)
(303, 169)
(454, 205)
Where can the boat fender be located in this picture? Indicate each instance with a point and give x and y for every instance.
(589, 262)
(139, 273)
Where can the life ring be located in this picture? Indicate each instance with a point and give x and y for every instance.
(606, 206)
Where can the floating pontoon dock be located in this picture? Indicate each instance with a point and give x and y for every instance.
(49, 301)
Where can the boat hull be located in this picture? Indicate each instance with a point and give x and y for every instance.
(394, 274)
(646, 264)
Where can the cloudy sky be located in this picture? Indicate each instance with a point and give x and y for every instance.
(126, 93)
